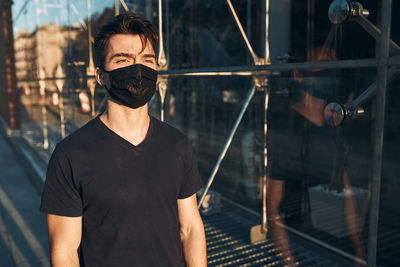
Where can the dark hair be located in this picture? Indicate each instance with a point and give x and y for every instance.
(124, 23)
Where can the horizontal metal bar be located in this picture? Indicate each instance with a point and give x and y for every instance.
(261, 69)
(55, 79)
(254, 70)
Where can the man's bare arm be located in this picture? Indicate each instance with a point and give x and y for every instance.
(192, 232)
(64, 238)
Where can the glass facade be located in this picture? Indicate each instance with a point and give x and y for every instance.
(322, 69)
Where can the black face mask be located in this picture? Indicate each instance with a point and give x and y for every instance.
(133, 85)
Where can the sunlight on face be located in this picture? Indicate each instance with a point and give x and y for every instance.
(127, 49)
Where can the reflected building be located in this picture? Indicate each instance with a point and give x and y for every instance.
(45, 48)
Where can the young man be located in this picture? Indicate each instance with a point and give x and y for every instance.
(124, 185)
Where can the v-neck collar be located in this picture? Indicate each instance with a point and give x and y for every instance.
(122, 141)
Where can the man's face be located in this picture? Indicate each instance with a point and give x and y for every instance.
(124, 50)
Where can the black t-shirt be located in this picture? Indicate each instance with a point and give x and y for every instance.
(127, 195)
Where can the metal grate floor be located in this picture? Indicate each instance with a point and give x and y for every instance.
(228, 244)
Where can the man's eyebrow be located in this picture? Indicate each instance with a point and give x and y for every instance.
(149, 56)
(121, 55)
(131, 55)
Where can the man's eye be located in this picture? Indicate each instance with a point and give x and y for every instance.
(121, 60)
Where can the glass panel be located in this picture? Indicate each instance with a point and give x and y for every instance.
(296, 28)
(52, 56)
(389, 225)
(318, 174)
(311, 28)
(319, 177)
(206, 109)
(204, 33)
(389, 222)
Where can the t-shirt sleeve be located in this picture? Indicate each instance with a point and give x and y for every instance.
(61, 193)
(191, 182)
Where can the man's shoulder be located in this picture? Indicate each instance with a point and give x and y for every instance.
(167, 131)
(170, 137)
(81, 138)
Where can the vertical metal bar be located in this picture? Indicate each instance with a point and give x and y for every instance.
(267, 60)
(42, 86)
(248, 26)
(161, 59)
(167, 33)
(267, 57)
(91, 63)
(91, 83)
(44, 118)
(162, 90)
(378, 131)
(90, 70)
(228, 143)
(264, 189)
(60, 81)
(310, 28)
(62, 116)
(92, 102)
(116, 7)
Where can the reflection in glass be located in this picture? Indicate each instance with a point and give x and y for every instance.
(319, 177)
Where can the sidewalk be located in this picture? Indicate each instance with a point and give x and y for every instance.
(23, 232)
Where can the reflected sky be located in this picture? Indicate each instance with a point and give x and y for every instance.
(27, 14)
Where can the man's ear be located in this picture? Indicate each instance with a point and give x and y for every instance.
(100, 77)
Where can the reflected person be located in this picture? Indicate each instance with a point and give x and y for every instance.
(304, 113)
(123, 187)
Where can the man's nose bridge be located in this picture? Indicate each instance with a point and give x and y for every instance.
(136, 59)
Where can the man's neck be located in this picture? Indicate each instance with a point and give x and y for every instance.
(130, 124)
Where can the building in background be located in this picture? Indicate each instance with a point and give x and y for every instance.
(45, 49)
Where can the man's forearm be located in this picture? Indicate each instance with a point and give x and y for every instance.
(62, 259)
(194, 246)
